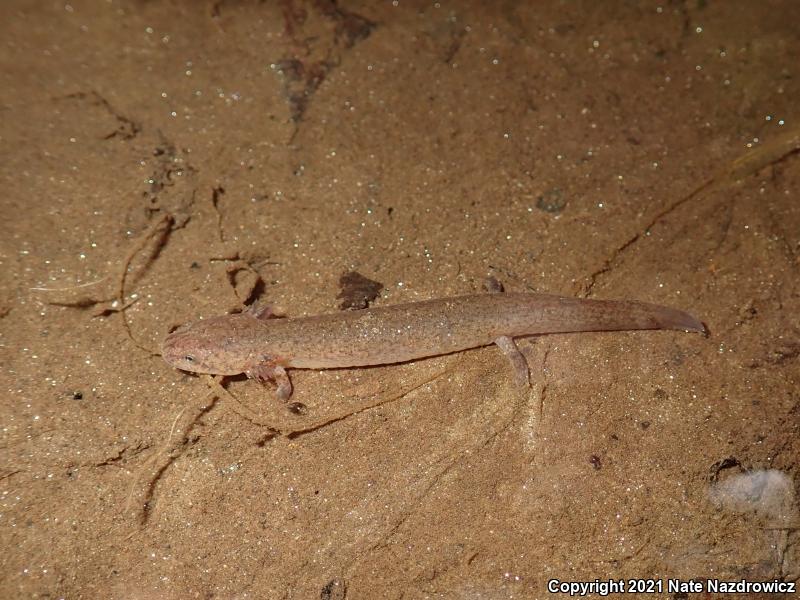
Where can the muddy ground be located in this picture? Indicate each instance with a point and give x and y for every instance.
(163, 161)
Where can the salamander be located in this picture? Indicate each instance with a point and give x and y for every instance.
(263, 348)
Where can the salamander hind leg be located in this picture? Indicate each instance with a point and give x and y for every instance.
(506, 344)
(493, 285)
(509, 348)
(271, 371)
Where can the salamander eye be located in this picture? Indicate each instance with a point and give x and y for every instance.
(189, 358)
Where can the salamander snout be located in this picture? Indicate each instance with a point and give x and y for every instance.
(195, 349)
(181, 351)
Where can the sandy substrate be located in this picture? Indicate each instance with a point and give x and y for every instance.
(217, 153)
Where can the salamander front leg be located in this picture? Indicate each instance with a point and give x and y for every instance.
(264, 312)
(270, 371)
(509, 348)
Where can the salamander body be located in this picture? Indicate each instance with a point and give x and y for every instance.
(264, 347)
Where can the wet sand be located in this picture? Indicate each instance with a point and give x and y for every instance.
(163, 161)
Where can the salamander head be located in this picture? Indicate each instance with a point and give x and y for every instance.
(208, 346)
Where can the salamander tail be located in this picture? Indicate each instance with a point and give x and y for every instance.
(672, 318)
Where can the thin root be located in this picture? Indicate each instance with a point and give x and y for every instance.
(68, 288)
(215, 383)
(166, 454)
(166, 219)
